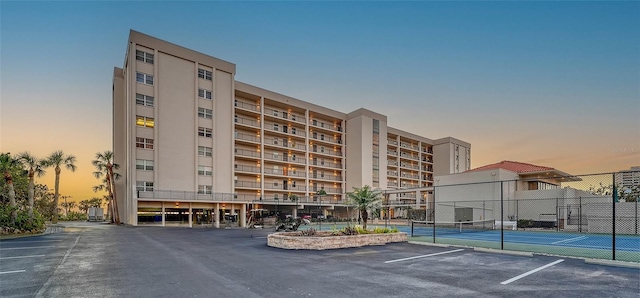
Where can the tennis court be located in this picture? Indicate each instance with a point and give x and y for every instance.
(627, 247)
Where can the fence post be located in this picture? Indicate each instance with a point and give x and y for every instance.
(434, 214)
(580, 215)
(501, 216)
(613, 216)
(557, 216)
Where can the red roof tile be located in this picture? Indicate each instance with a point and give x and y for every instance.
(513, 166)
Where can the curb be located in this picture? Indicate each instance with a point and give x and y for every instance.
(429, 244)
(504, 252)
(613, 263)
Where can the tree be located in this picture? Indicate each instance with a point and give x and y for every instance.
(57, 159)
(625, 194)
(67, 205)
(8, 165)
(364, 199)
(321, 193)
(105, 166)
(34, 167)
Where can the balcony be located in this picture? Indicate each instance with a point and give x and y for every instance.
(392, 173)
(327, 152)
(392, 142)
(392, 184)
(409, 166)
(409, 146)
(247, 137)
(427, 159)
(326, 139)
(409, 156)
(247, 153)
(284, 172)
(329, 190)
(247, 184)
(247, 106)
(284, 115)
(246, 121)
(392, 163)
(392, 152)
(409, 176)
(286, 158)
(285, 144)
(321, 176)
(284, 129)
(326, 164)
(247, 169)
(326, 125)
(285, 187)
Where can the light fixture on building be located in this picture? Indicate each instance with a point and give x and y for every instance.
(177, 204)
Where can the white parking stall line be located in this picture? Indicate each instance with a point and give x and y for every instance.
(570, 240)
(508, 281)
(424, 256)
(22, 257)
(27, 247)
(15, 271)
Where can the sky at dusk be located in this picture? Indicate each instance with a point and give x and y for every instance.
(551, 83)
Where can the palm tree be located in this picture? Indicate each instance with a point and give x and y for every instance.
(104, 165)
(7, 165)
(34, 167)
(364, 199)
(57, 159)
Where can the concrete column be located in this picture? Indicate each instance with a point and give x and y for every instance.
(294, 213)
(418, 198)
(190, 216)
(243, 215)
(216, 216)
(163, 214)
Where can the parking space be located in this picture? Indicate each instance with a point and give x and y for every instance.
(153, 261)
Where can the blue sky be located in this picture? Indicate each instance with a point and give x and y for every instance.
(552, 83)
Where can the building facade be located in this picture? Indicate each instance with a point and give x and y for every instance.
(194, 144)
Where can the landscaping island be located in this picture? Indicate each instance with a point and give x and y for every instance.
(329, 240)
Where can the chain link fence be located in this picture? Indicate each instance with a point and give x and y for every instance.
(593, 216)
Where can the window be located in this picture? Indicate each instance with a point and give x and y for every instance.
(145, 165)
(144, 78)
(144, 100)
(205, 113)
(206, 94)
(205, 132)
(145, 121)
(276, 127)
(293, 157)
(276, 155)
(275, 113)
(144, 186)
(144, 56)
(205, 74)
(322, 149)
(205, 151)
(144, 143)
(205, 171)
(322, 137)
(293, 130)
(205, 189)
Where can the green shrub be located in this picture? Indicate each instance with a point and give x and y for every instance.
(22, 220)
(74, 216)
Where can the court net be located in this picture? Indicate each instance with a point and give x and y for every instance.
(428, 228)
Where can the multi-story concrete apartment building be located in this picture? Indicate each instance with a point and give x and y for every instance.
(194, 144)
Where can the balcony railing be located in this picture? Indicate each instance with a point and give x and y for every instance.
(246, 105)
(327, 189)
(284, 172)
(285, 129)
(392, 142)
(285, 115)
(250, 153)
(409, 166)
(285, 144)
(326, 125)
(250, 169)
(328, 152)
(391, 152)
(409, 156)
(251, 184)
(247, 137)
(285, 187)
(174, 196)
(317, 176)
(392, 173)
(410, 176)
(286, 158)
(407, 145)
(392, 163)
(327, 164)
(427, 160)
(327, 139)
(247, 121)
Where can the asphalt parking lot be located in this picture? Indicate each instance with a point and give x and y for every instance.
(98, 260)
